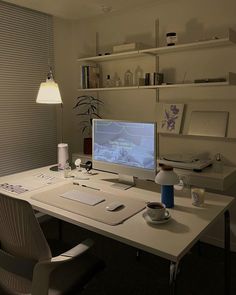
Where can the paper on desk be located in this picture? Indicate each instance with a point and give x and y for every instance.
(30, 183)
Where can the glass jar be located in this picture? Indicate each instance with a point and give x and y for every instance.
(171, 38)
(138, 74)
(109, 82)
(128, 78)
(67, 170)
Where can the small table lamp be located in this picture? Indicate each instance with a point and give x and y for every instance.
(166, 177)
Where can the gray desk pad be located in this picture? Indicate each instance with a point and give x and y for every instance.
(97, 212)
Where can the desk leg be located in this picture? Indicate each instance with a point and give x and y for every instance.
(60, 224)
(227, 254)
(173, 274)
(138, 255)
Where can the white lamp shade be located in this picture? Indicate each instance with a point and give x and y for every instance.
(49, 93)
(167, 178)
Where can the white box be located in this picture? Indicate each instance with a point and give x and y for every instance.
(128, 47)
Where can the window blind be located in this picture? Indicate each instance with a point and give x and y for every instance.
(27, 130)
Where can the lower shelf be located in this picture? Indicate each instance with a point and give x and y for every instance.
(230, 80)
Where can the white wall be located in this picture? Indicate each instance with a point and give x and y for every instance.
(192, 21)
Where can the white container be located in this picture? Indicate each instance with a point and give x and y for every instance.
(128, 47)
(198, 196)
(62, 155)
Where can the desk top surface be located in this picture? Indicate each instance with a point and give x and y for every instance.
(171, 240)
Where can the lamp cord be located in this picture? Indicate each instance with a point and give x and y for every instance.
(62, 123)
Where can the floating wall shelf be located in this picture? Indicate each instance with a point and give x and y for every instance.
(229, 40)
(231, 80)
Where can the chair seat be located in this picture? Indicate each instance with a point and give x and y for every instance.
(71, 277)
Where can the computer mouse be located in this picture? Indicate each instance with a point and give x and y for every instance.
(114, 206)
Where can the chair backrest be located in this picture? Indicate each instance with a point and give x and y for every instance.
(22, 243)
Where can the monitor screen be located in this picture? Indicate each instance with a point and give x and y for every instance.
(127, 148)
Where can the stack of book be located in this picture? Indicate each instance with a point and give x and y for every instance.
(90, 76)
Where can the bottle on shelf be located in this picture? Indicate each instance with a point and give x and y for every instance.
(109, 82)
(117, 80)
(128, 78)
(138, 74)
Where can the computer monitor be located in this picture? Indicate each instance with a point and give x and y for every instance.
(126, 148)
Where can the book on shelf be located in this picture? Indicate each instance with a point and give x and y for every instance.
(90, 76)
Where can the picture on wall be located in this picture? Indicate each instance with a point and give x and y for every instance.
(170, 118)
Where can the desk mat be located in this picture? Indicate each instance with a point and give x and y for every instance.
(98, 212)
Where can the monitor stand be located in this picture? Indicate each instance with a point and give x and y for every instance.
(124, 182)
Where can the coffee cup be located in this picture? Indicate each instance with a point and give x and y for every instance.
(156, 210)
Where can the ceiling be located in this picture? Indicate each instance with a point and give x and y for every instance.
(78, 9)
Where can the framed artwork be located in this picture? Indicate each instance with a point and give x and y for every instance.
(170, 118)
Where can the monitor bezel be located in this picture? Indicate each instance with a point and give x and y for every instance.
(138, 172)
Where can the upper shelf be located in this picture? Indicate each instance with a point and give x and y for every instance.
(229, 40)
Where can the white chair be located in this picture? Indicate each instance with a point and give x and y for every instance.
(26, 262)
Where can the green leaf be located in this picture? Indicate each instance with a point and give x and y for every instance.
(83, 130)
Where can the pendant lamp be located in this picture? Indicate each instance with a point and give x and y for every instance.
(49, 92)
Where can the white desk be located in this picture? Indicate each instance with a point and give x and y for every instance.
(170, 241)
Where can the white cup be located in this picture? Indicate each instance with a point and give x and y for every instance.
(198, 196)
(156, 210)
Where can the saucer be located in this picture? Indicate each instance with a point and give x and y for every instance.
(161, 221)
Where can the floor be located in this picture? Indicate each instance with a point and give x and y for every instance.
(201, 271)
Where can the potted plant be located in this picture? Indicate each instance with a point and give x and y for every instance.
(87, 107)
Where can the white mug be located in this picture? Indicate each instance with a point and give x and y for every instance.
(198, 196)
(156, 210)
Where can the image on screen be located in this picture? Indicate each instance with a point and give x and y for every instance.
(125, 143)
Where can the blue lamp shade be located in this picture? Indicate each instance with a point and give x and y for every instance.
(167, 178)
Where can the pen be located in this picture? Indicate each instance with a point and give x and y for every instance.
(84, 185)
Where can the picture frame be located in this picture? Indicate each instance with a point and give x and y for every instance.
(170, 118)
